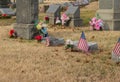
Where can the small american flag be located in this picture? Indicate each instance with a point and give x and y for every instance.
(82, 45)
(116, 49)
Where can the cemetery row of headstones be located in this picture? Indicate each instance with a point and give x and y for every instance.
(73, 12)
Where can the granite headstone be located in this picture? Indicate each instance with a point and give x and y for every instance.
(92, 46)
(4, 3)
(56, 41)
(116, 52)
(53, 41)
(115, 57)
(109, 11)
(27, 14)
(74, 13)
(53, 12)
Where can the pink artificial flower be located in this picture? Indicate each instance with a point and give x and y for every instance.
(93, 21)
(64, 17)
(99, 24)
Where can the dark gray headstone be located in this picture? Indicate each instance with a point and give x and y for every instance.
(27, 14)
(74, 13)
(66, 4)
(109, 11)
(56, 41)
(4, 3)
(7, 11)
(53, 12)
(92, 46)
(81, 2)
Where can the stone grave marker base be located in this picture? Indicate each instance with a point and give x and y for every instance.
(92, 46)
(25, 31)
(115, 58)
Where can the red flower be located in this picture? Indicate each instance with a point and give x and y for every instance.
(12, 31)
(46, 18)
(4, 15)
(38, 37)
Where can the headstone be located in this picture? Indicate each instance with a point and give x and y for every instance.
(116, 52)
(81, 2)
(74, 13)
(66, 4)
(27, 14)
(53, 12)
(56, 41)
(7, 11)
(109, 11)
(4, 3)
(115, 57)
(92, 46)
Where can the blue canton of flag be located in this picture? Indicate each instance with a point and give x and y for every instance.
(82, 45)
(116, 49)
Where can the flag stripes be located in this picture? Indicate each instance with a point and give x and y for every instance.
(82, 45)
(116, 49)
(47, 41)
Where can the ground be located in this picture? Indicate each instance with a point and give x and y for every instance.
(29, 61)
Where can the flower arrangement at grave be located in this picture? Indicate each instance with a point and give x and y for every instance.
(46, 19)
(4, 15)
(38, 38)
(96, 23)
(69, 44)
(12, 33)
(38, 26)
(64, 18)
(42, 31)
(58, 21)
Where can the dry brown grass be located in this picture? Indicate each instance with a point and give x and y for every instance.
(29, 61)
(91, 6)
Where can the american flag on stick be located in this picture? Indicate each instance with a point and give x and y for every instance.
(47, 41)
(82, 45)
(116, 49)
